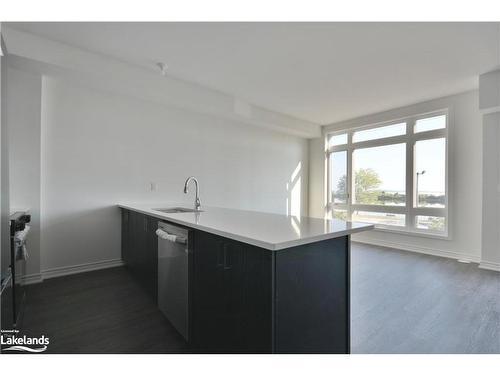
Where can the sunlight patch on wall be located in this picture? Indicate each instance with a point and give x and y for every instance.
(294, 196)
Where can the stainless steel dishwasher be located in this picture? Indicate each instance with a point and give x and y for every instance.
(173, 275)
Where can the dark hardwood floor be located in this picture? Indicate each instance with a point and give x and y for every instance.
(401, 302)
(98, 312)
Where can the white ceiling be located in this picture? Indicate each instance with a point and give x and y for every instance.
(321, 72)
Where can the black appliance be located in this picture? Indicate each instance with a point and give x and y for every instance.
(12, 289)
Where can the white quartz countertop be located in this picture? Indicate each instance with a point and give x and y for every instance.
(266, 230)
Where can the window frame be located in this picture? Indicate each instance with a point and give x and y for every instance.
(409, 139)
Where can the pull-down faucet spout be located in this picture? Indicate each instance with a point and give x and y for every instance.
(197, 204)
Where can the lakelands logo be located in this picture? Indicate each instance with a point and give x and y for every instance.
(23, 343)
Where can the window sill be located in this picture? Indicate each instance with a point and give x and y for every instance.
(405, 232)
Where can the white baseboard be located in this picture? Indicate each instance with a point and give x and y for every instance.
(421, 250)
(70, 270)
(34, 278)
(492, 266)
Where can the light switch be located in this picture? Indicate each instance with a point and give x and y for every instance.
(153, 186)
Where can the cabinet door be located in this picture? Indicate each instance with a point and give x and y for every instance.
(146, 257)
(133, 241)
(125, 236)
(257, 293)
(151, 257)
(231, 296)
(232, 312)
(206, 283)
(140, 252)
(139, 242)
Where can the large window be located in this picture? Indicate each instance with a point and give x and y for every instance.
(393, 175)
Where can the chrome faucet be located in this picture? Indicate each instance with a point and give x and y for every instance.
(197, 204)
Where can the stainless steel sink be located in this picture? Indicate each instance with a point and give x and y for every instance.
(176, 210)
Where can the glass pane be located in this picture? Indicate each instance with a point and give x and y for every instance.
(379, 218)
(430, 123)
(377, 133)
(379, 175)
(337, 140)
(340, 214)
(430, 172)
(435, 223)
(338, 176)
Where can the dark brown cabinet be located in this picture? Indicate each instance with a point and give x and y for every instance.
(246, 299)
(231, 296)
(140, 249)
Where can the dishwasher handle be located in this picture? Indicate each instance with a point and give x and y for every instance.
(170, 237)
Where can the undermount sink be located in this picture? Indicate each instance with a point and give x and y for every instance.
(176, 210)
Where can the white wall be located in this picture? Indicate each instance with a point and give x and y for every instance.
(490, 257)
(100, 148)
(4, 166)
(465, 179)
(489, 103)
(317, 173)
(489, 90)
(23, 117)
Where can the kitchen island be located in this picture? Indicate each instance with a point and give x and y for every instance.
(257, 282)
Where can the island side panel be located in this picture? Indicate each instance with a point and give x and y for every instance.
(312, 298)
